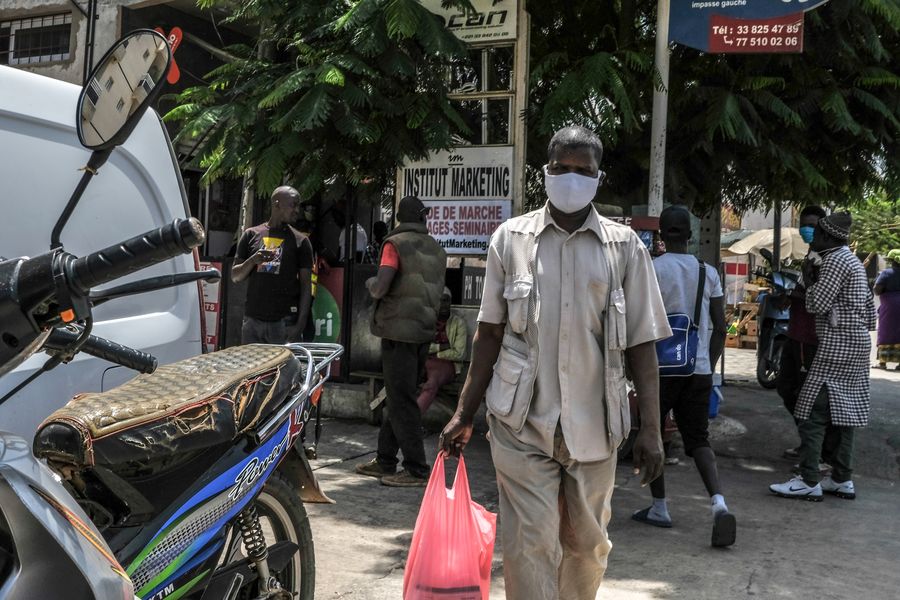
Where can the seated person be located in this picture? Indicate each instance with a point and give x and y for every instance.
(445, 355)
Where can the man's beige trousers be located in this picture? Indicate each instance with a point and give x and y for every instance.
(553, 517)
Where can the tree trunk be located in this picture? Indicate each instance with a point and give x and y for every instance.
(264, 50)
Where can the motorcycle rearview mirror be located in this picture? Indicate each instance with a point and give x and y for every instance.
(125, 82)
(121, 87)
(767, 254)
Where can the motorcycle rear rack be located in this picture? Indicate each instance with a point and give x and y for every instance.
(316, 360)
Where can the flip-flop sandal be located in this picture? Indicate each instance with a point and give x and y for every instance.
(643, 516)
(724, 529)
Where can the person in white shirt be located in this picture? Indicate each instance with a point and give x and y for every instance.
(678, 274)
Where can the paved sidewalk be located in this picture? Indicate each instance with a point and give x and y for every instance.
(836, 549)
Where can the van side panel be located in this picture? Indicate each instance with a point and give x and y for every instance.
(138, 189)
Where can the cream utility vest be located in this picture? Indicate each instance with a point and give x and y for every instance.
(609, 301)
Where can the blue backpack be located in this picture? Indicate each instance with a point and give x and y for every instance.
(677, 354)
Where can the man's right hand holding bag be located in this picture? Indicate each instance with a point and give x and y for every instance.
(453, 542)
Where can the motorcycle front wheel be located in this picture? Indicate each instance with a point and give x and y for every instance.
(283, 518)
(767, 370)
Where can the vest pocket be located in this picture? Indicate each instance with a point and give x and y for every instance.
(618, 334)
(501, 392)
(517, 293)
(618, 409)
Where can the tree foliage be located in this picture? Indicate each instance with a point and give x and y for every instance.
(350, 89)
(876, 225)
(819, 127)
(342, 91)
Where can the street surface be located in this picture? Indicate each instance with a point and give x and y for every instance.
(836, 549)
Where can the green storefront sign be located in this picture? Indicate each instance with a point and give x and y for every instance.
(326, 317)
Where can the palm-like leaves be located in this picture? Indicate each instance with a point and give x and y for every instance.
(876, 225)
(358, 85)
(352, 90)
(813, 128)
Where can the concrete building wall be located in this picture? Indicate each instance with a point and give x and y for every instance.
(108, 25)
(758, 219)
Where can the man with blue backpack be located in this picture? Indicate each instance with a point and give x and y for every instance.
(695, 306)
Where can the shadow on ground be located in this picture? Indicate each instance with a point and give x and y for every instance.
(836, 549)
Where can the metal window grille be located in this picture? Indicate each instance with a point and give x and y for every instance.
(35, 40)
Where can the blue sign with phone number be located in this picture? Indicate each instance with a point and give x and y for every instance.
(689, 20)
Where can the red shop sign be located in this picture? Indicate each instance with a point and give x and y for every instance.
(748, 36)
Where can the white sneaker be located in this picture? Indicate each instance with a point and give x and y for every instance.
(844, 489)
(797, 488)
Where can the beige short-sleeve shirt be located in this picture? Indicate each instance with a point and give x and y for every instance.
(571, 287)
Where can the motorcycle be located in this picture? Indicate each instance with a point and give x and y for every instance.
(772, 321)
(189, 480)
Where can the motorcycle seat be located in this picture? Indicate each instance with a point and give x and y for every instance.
(185, 406)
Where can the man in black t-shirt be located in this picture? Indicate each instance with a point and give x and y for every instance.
(276, 259)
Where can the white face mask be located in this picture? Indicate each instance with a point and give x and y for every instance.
(571, 192)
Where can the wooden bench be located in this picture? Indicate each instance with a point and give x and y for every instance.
(376, 391)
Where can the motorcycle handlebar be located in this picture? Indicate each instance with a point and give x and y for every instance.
(104, 349)
(178, 237)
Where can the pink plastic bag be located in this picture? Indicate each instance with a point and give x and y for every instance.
(453, 543)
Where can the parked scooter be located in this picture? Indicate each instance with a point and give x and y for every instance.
(184, 483)
(772, 321)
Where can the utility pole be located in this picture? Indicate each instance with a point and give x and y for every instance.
(520, 104)
(347, 312)
(90, 26)
(776, 236)
(660, 109)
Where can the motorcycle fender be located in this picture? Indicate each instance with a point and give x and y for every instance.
(296, 468)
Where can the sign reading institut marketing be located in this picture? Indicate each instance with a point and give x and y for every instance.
(469, 191)
(492, 21)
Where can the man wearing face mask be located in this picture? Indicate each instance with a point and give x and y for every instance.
(568, 298)
(798, 353)
(836, 391)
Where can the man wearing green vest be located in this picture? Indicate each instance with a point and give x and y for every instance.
(407, 291)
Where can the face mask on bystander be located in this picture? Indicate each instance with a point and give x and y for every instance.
(806, 232)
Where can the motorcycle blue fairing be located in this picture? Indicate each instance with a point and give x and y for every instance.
(196, 527)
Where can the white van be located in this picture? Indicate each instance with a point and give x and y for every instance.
(138, 189)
